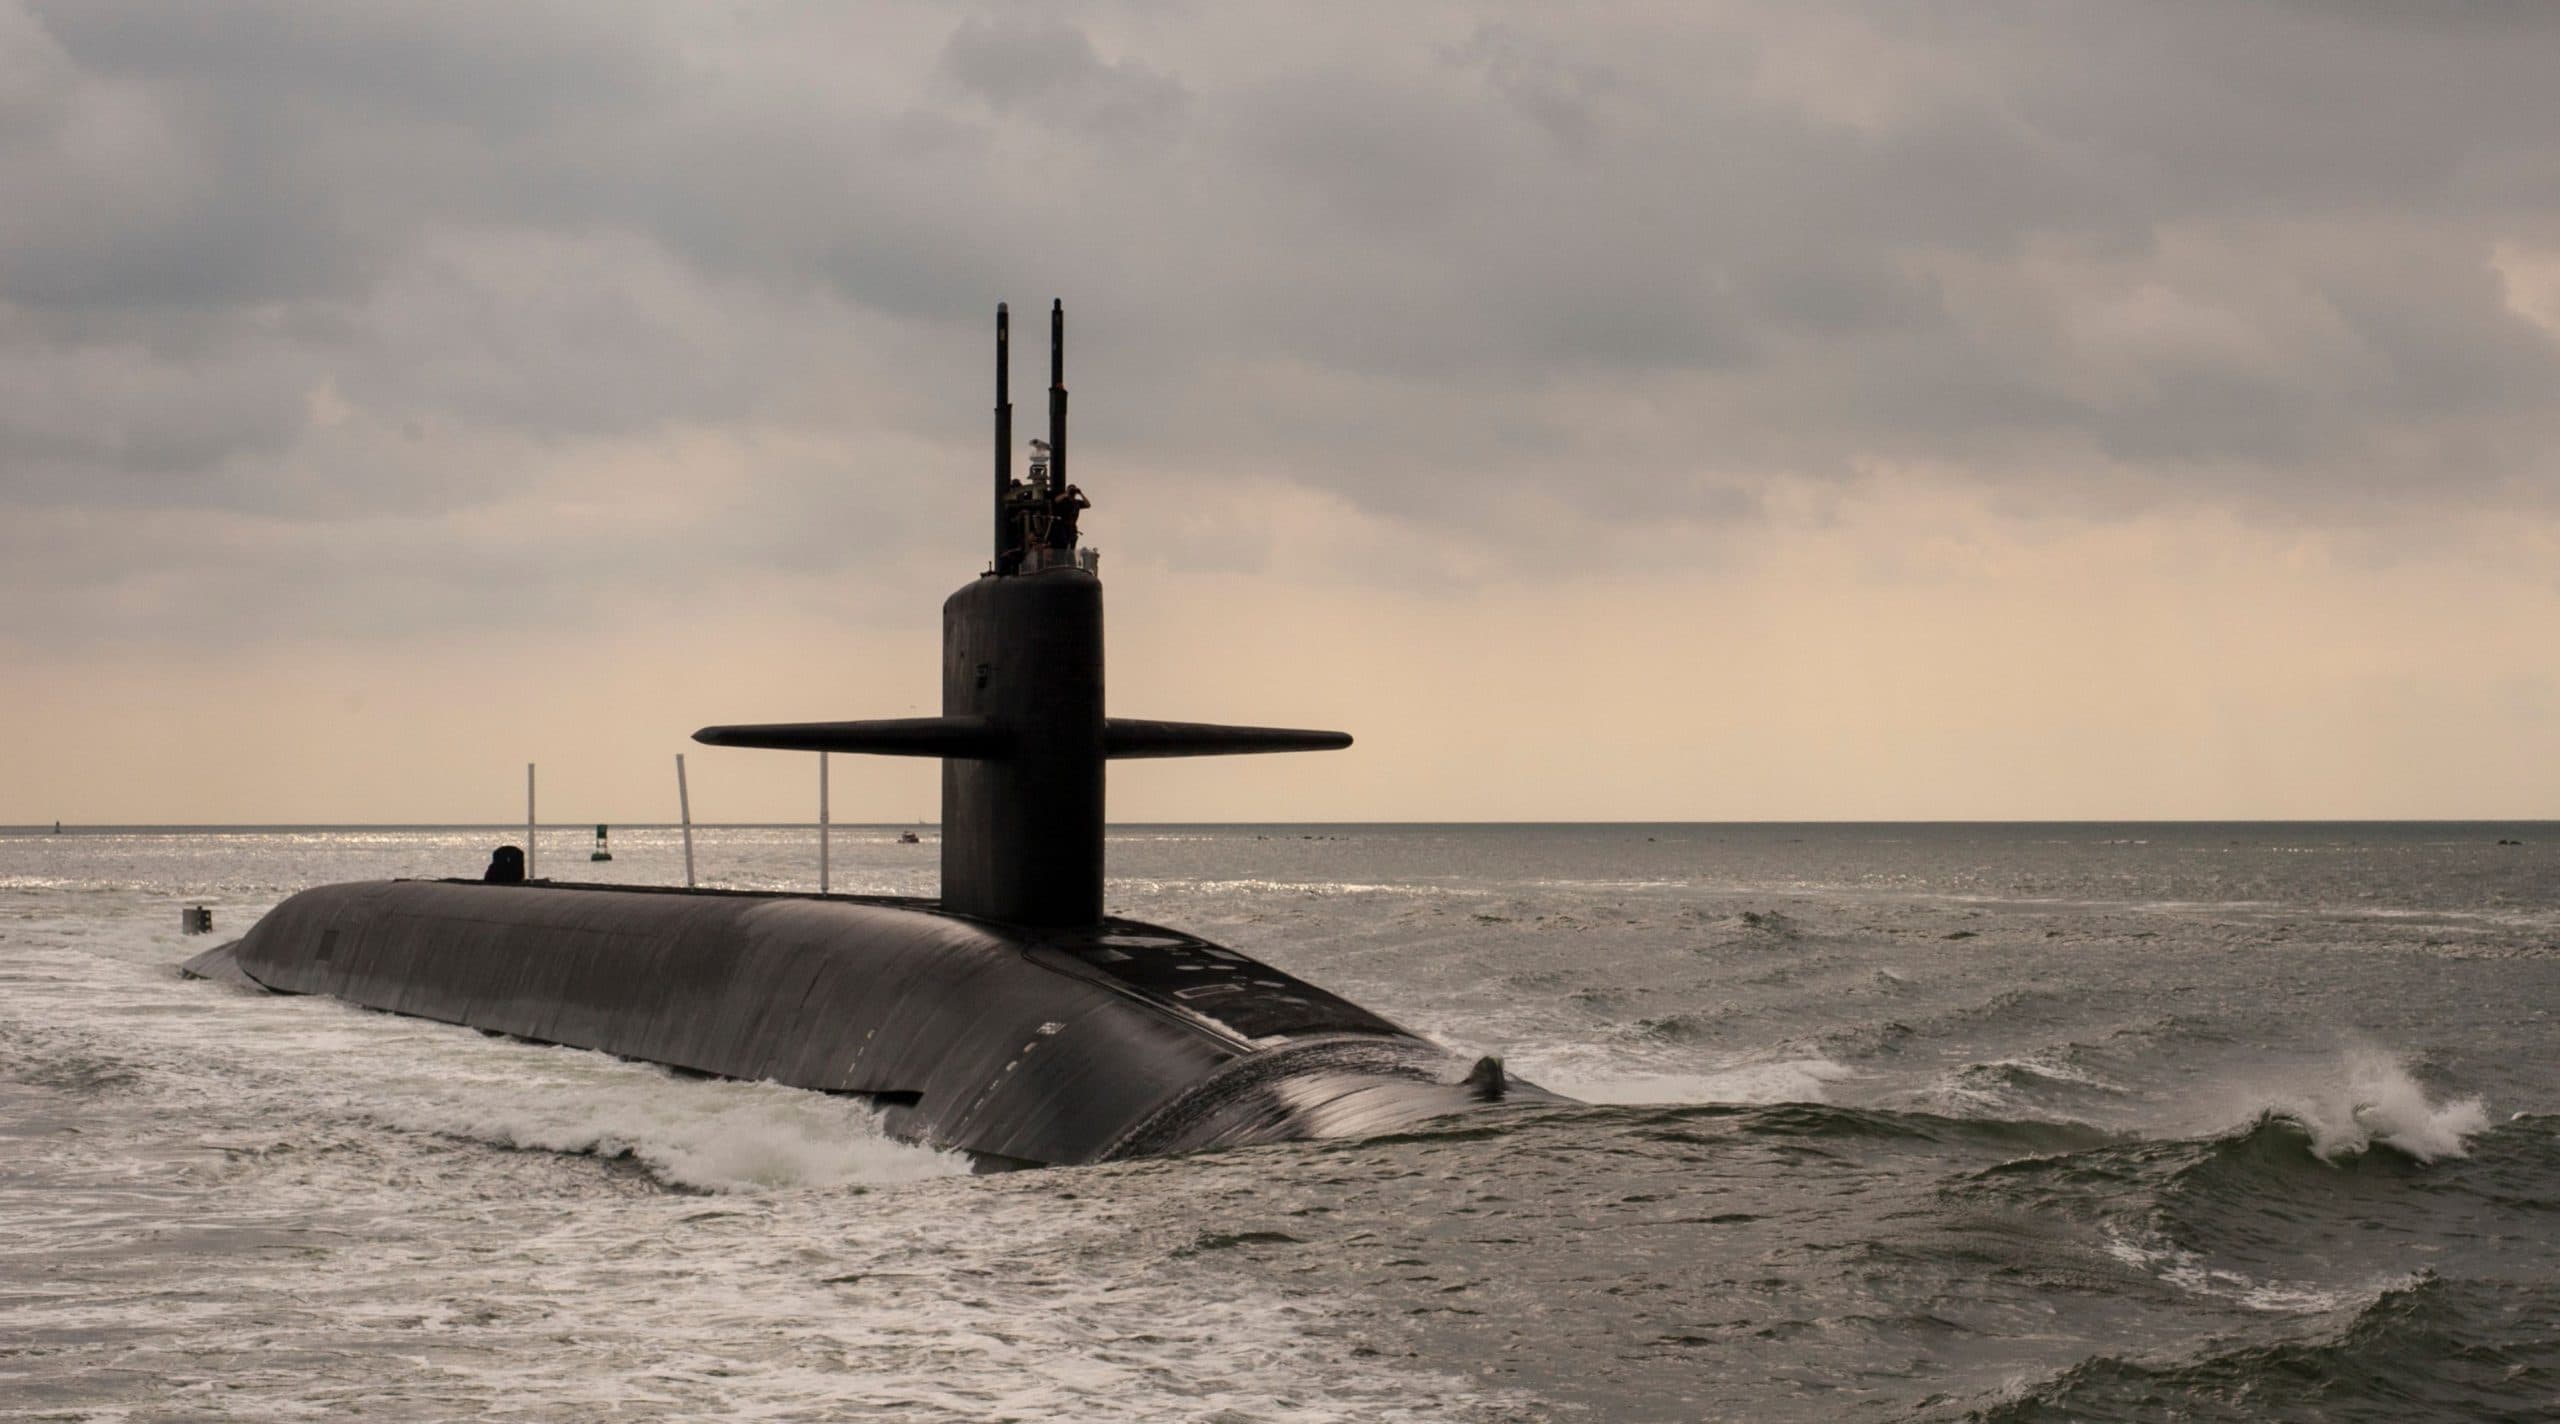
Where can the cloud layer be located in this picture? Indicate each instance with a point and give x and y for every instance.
(331, 325)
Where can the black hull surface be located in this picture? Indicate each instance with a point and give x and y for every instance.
(1041, 1046)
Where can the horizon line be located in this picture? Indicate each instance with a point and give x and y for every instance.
(71, 827)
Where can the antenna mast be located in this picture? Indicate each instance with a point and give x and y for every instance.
(1057, 395)
(1004, 428)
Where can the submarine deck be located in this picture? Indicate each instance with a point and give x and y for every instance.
(1169, 967)
(1027, 1044)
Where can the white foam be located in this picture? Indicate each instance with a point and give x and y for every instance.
(2039, 1066)
(323, 1171)
(2374, 1101)
(1791, 1080)
(706, 1134)
(2188, 1271)
(710, 1135)
(1991, 1087)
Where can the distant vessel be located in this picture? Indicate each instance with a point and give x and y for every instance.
(909, 838)
(1011, 1018)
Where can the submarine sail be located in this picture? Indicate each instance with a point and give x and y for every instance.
(1011, 1018)
(1022, 735)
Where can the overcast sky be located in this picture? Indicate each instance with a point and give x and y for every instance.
(1680, 411)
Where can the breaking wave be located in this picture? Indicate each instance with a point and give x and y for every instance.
(2378, 1103)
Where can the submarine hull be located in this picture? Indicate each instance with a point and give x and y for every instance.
(1018, 1044)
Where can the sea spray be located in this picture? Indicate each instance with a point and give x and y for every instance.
(2376, 1101)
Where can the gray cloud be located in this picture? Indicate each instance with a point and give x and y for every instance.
(1049, 70)
(311, 267)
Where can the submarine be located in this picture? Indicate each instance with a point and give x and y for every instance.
(1012, 1018)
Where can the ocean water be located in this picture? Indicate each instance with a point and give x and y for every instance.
(2011, 1123)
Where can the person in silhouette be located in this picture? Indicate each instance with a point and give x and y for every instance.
(1023, 504)
(1064, 506)
(506, 866)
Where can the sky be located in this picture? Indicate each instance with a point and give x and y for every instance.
(1687, 411)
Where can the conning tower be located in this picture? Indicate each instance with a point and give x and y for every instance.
(1022, 735)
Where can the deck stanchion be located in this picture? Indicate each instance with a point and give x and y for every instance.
(684, 811)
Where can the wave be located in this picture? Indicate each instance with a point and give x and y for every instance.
(2002, 1134)
(1802, 1120)
(2428, 1348)
(2271, 1160)
(2370, 1109)
(2157, 1256)
(2252, 1215)
(1767, 924)
(2043, 1084)
(1687, 1026)
(2009, 1010)
(1787, 1080)
(2016, 1006)
(1868, 1039)
(41, 1058)
(2378, 1103)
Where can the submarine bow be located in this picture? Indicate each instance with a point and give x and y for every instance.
(1011, 1018)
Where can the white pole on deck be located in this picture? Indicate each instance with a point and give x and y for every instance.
(529, 860)
(684, 808)
(822, 823)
